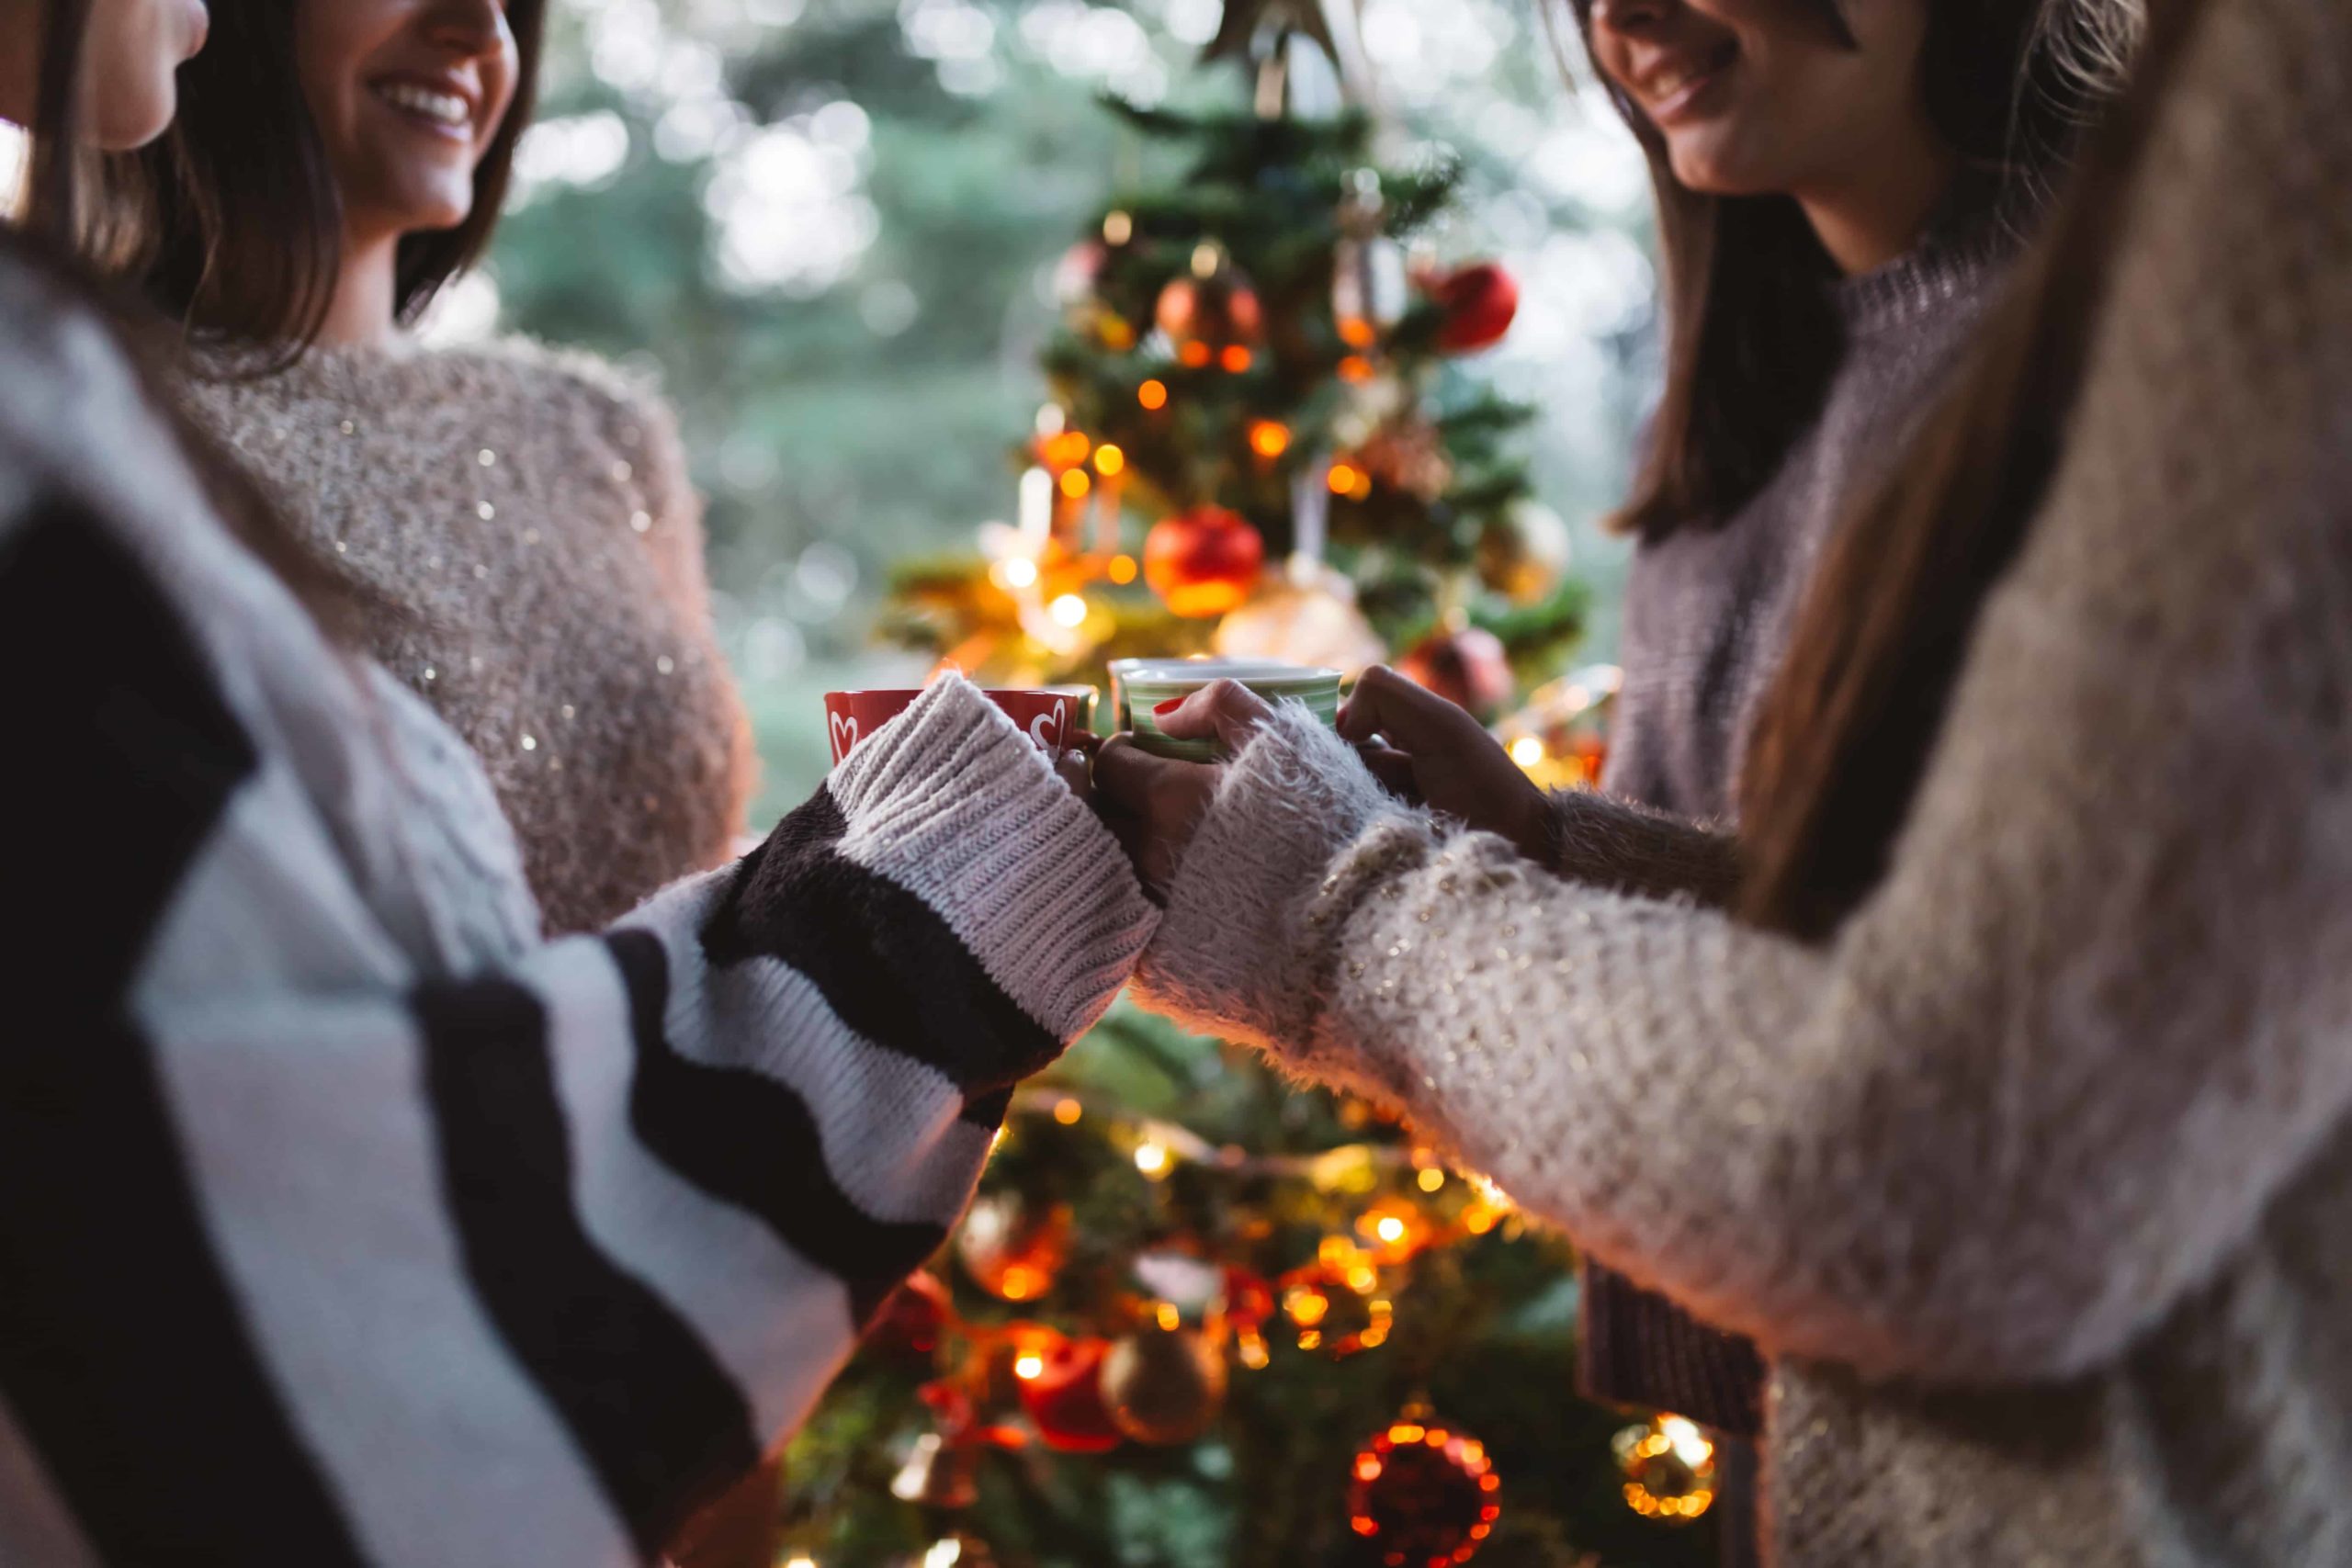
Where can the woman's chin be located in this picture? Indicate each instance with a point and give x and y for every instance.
(126, 122)
(1706, 164)
(430, 211)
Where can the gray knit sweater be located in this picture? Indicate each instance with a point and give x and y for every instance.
(527, 551)
(2034, 1184)
(1708, 615)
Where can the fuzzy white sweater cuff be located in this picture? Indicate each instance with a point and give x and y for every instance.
(1244, 949)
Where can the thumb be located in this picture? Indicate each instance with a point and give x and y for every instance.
(1413, 718)
(1224, 711)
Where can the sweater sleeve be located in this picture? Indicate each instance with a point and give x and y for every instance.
(316, 1257)
(2092, 1022)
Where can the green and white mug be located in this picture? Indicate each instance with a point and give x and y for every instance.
(1138, 685)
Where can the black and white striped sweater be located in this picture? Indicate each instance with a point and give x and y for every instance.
(340, 1220)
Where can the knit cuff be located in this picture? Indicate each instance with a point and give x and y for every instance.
(1239, 950)
(951, 801)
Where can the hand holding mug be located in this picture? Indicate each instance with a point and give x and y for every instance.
(1153, 803)
(1429, 752)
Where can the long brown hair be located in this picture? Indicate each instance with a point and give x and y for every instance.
(1845, 733)
(1753, 339)
(239, 222)
(54, 241)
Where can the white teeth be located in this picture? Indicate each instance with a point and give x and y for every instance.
(446, 107)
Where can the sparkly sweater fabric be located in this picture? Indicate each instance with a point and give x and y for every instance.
(2035, 1183)
(527, 554)
(1708, 616)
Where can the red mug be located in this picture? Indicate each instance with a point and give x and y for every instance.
(1053, 719)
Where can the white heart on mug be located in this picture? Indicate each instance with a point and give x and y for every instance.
(1059, 721)
(845, 734)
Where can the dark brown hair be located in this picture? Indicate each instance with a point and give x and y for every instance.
(238, 224)
(52, 214)
(1752, 335)
(54, 241)
(1845, 733)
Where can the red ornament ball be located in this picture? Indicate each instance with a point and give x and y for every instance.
(1203, 562)
(1423, 1494)
(1468, 668)
(910, 1318)
(1065, 1399)
(1479, 301)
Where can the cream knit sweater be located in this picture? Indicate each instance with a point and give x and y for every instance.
(2034, 1185)
(528, 552)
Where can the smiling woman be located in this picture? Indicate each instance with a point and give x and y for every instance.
(408, 100)
(515, 523)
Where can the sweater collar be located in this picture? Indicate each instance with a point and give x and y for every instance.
(1979, 229)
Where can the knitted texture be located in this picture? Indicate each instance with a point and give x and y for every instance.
(527, 555)
(471, 1248)
(1707, 616)
(2033, 1185)
(1034, 890)
(1230, 958)
(1709, 606)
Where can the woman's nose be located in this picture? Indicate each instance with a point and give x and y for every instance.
(467, 26)
(1630, 16)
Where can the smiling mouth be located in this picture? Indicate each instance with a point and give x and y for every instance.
(448, 113)
(1670, 91)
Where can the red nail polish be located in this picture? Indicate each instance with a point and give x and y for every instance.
(1170, 705)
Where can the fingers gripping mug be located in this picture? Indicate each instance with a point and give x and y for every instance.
(1053, 718)
(1140, 684)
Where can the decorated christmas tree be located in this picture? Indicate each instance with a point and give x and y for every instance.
(1198, 1318)
(1265, 438)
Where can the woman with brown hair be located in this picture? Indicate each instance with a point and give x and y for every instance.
(1841, 187)
(2009, 1108)
(516, 524)
(345, 1219)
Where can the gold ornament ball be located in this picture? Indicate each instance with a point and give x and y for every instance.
(1316, 623)
(1163, 1386)
(1527, 558)
(1013, 1248)
(1670, 1468)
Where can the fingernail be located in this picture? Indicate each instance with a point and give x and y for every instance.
(1170, 705)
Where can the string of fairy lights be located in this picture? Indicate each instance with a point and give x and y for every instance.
(1420, 1492)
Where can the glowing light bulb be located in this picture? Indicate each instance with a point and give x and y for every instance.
(1152, 395)
(1151, 1158)
(1390, 1229)
(1070, 610)
(1028, 1368)
(1527, 751)
(1067, 1112)
(1431, 1179)
(1020, 573)
(1108, 459)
